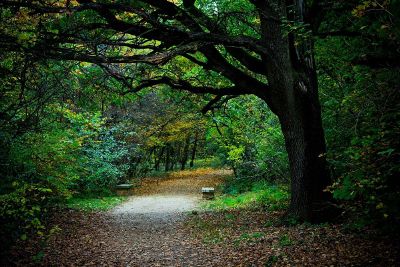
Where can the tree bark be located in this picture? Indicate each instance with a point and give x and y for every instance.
(167, 157)
(305, 144)
(293, 97)
(196, 136)
(185, 154)
(158, 158)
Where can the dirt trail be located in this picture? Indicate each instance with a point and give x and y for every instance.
(170, 196)
(146, 230)
(153, 228)
(157, 205)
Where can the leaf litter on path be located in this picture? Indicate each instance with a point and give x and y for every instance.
(156, 228)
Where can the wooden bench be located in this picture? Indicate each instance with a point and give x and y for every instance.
(124, 189)
(208, 193)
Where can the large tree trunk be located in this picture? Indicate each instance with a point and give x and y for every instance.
(305, 145)
(293, 97)
(301, 125)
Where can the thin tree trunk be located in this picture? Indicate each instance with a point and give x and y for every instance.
(167, 157)
(177, 155)
(172, 158)
(196, 136)
(184, 156)
(158, 159)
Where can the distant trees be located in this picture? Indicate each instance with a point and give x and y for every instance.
(165, 131)
(247, 137)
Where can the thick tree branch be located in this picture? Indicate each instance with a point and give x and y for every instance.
(186, 86)
(158, 58)
(212, 104)
(173, 41)
(250, 62)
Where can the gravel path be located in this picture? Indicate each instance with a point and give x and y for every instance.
(157, 205)
(154, 229)
(146, 230)
(151, 227)
(154, 213)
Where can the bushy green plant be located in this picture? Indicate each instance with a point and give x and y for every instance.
(370, 181)
(73, 153)
(361, 117)
(250, 194)
(23, 211)
(51, 157)
(248, 138)
(105, 165)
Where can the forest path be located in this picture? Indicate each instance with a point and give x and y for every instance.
(146, 230)
(155, 228)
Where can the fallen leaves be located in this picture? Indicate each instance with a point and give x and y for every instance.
(182, 182)
(223, 238)
(250, 240)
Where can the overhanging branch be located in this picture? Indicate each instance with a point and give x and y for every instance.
(216, 103)
(186, 86)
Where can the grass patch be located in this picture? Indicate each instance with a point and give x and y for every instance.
(262, 194)
(211, 162)
(248, 237)
(214, 236)
(94, 204)
(285, 241)
(251, 236)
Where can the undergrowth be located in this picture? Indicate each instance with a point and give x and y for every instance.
(260, 194)
(94, 204)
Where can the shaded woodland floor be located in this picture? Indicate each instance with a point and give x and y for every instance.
(157, 227)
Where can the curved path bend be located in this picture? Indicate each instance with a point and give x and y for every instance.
(146, 230)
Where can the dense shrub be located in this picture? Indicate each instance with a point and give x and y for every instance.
(23, 211)
(361, 117)
(73, 153)
(105, 165)
(247, 137)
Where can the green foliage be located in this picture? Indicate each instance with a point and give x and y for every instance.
(370, 180)
(248, 138)
(285, 241)
(84, 157)
(106, 165)
(242, 22)
(360, 97)
(259, 194)
(67, 152)
(208, 162)
(22, 212)
(94, 204)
